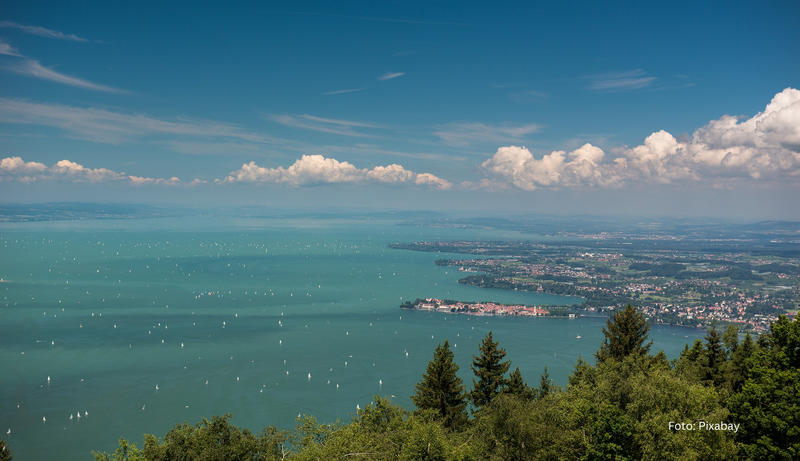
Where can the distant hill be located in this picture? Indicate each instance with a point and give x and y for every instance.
(60, 211)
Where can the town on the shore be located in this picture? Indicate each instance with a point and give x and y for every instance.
(483, 308)
(676, 286)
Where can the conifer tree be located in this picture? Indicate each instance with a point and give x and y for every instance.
(693, 355)
(714, 357)
(689, 364)
(516, 386)
(490, 370)
(441, 389)
(545, 385)
(625, 335)
(738, 363)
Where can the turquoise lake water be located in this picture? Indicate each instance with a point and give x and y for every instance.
(143, 324)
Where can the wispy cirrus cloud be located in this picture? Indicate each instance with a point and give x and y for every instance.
(620, 81)
(352, 90)
(390, 75)
(41, 31)
(367, 18)
(370, 150)
(236, 148)
(464, 134)
(16, 169)
(325, 125)
(112, 127)
(33, 68)
(8, 50)
(527, 96)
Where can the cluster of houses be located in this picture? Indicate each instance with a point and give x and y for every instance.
(438, 305)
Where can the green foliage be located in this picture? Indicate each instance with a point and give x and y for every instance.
(311, 436)
(731, 339)
(610, 434)
(125, 452)
(689, 363)
(625, 408)
(525, 430)
(584, 373)
(384, 431)
(625, 335)
(441, 389)
(517, 387)
(546, 385)
(214, 439)
(5, 453)
(490, 369)
(739, 368)
(714, 358)
(558, 311)
(659, 270)
(768, 404)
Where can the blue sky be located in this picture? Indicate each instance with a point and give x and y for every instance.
(669, 108)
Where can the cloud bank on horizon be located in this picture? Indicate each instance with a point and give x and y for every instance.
(763, 149)
(68, 171)
(311, 170)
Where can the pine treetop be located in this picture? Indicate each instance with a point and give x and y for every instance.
(625, 334)
(490, 369)
(441, 389)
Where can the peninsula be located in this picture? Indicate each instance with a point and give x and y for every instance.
(483, 308)
(689, 276)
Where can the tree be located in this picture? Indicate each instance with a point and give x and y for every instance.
(714, 357)
(441, 389)
(689, 364)
(545, 385)
(214, 439)
(126, 452)
(490, 370)
(738, 365)
(516, 386)
(731, 339)
(5, 453)
(625, 335)
(769, 400)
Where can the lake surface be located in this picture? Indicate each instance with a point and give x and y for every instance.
(137, 325)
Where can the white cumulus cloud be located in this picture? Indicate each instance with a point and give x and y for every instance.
(15, 165)
(764, 147)
(14, 168)
(312, 170)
